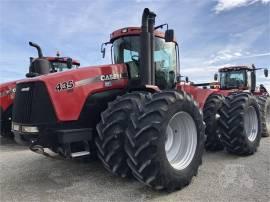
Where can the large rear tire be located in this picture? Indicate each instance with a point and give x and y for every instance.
(264, 102)
(165, 142)
(240, 124)
(211, 116)
(111, 132)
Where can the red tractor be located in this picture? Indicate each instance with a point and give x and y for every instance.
(221, 119)
(132, 113)
(7, 90)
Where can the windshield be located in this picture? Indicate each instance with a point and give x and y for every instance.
(232, 79)
(61, 66)
(126, 50)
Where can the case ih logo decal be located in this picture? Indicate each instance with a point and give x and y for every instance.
(66, 85)
(110, 77)
(106, 78)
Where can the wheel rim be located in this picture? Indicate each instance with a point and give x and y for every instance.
(251, 123)
(267, 118)
(181, 140)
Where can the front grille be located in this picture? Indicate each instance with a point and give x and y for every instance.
(23, 103)
(32, 104)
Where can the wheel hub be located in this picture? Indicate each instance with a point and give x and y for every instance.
(251, 123)
(181, 140)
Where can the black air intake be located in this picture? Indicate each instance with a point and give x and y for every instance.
(32, 104)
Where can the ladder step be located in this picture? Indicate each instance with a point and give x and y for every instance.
(77, 154)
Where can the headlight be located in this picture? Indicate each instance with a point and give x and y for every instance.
(30, 129)
(24, 129)
(15, 127)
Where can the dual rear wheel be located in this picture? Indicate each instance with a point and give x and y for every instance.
(158, 138)
(233, 123)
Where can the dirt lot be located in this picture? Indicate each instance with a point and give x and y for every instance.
(26, 176)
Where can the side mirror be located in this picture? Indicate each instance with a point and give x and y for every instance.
(178, 78)
(169, 35)
(266, 72)
(69, 63)
(187, 79)
(216, 77)
(103, 49)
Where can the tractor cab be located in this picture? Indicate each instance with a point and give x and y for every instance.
(238, 77)
(45, 65)
(126, 48)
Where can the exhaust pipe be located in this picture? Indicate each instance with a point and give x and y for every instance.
(147, 69)
(40, 55)
(37, 149)
(40, 150)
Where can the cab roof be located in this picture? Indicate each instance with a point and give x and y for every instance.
(131, 31)
(235, 68)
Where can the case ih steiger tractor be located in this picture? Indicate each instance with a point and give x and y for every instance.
(224, 120)
(132, 112)
(8, 89)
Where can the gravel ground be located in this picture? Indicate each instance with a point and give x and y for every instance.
(26, 176)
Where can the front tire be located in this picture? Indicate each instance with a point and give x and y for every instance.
(111, 132)
(210, 116)
(165, 142)
(240, 124)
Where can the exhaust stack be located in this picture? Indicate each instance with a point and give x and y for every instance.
(40, 55)
(147, 66)
(40, 65)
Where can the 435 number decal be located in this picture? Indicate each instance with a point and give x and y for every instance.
(66, 85)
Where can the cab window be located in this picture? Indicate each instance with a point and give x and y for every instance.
(233, 79)
(61, 66)
(126, 50)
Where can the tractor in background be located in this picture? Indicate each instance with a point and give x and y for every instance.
(232, 81)
(36, 68)
(132, 113)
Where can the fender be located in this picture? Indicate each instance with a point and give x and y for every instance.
(7, 94)
(200, 95)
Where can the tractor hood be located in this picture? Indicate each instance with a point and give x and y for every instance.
(7, 85)
(69, 90)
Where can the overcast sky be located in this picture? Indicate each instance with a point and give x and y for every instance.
(211, 33)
